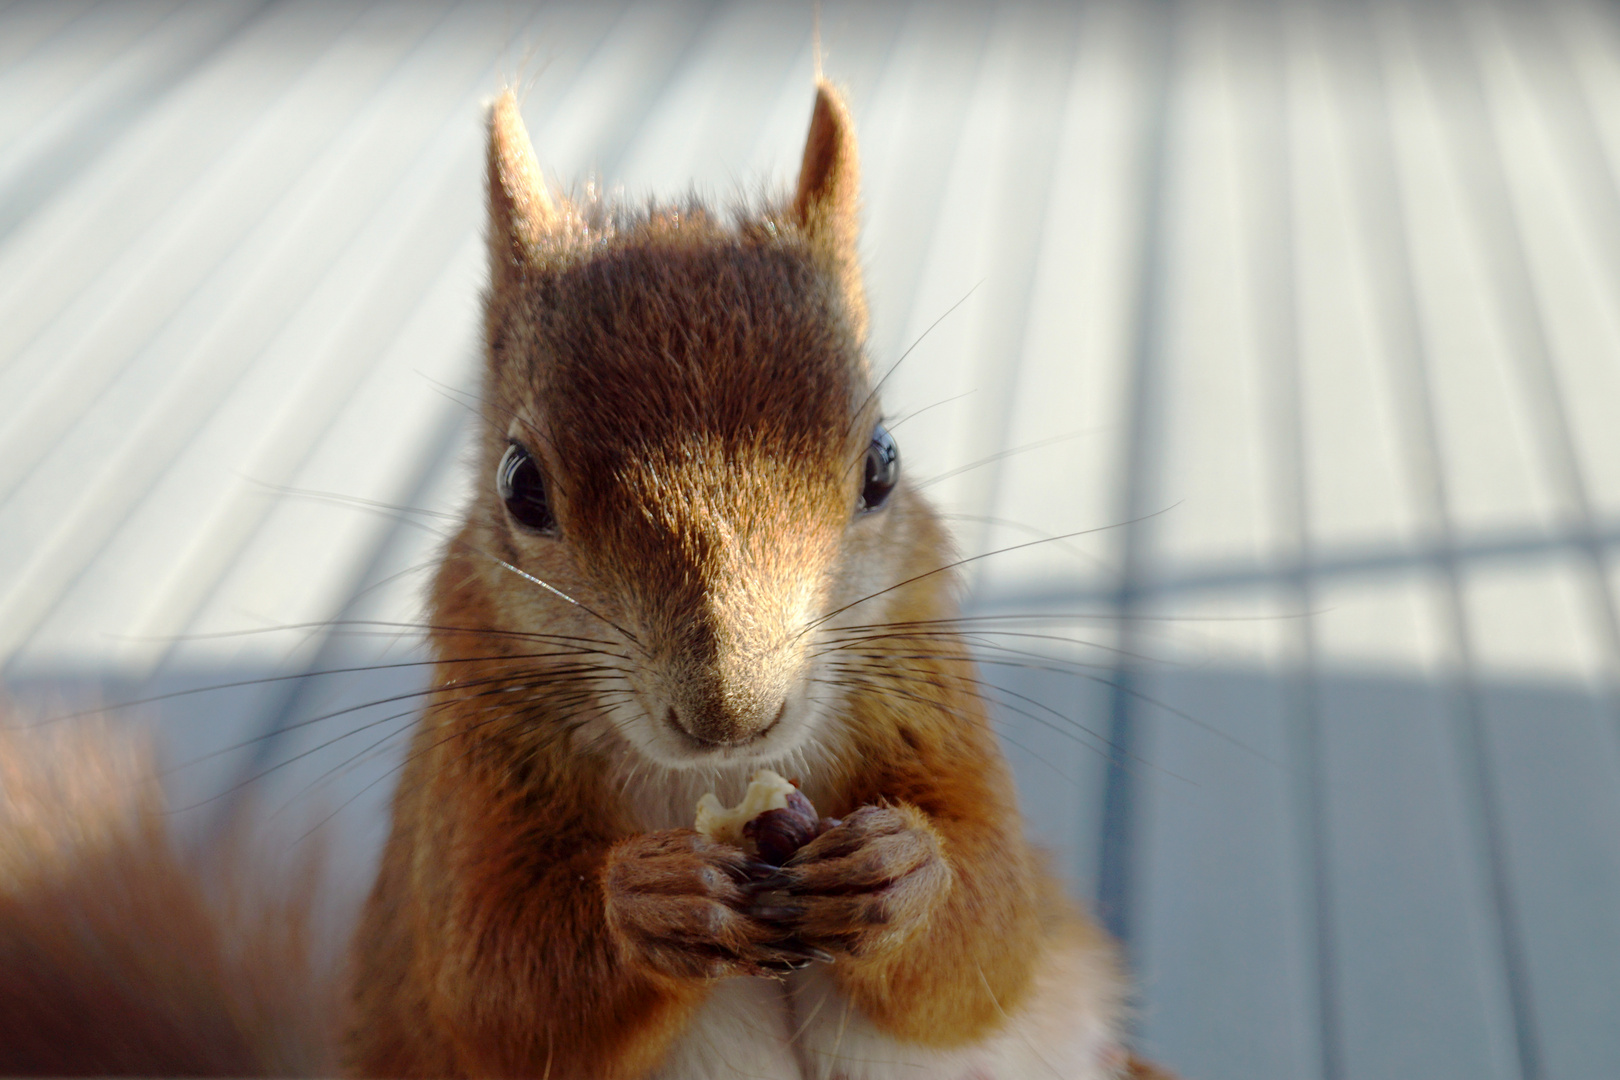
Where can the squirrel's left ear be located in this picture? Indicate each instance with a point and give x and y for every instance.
(520, 211)
(827, 203)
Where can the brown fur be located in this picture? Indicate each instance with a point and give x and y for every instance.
(697, 397)
(120, 957)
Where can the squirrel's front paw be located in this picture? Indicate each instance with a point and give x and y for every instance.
(863, 886)
(675, 900)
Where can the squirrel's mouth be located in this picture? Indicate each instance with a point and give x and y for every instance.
(722, 740)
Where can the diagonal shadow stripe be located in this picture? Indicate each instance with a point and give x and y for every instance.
(51, 168)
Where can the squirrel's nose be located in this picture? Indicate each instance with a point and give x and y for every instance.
(715, 722)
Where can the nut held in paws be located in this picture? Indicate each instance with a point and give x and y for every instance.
(777, 834)
(774, 818)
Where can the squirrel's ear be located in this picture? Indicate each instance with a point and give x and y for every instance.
(827, 203)
(520, 211)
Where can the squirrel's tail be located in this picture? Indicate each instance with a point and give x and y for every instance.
(1138, 1069)
(120, 956)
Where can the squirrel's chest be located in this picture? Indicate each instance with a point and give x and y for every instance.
(802, 1029)
(744, 1029)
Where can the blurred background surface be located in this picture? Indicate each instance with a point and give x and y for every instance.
(1298, 323)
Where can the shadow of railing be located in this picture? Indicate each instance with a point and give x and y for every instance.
(1373, 928)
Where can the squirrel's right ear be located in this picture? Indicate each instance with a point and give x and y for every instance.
(827, 203)
(520, 211)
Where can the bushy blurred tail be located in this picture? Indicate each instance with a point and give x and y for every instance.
(121, 956)
(1137, 1069)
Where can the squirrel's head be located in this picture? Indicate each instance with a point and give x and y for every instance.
(685, 476)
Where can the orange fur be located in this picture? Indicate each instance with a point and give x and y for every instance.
(121, 957)
(696, 396)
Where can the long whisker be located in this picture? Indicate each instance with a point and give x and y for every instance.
(872, 394)
(456, 734)
(1028, 530)
(263, 773)
(521, 679)
(982, 637)
(524, 574)
(900, 695)
(265, 680)
(982, 685)
(353, 500)
(975, 558)
(550, 588)
(392, 629)
(914, 413)
(1039, 444)
(1093, 677)
(481, 406)
(429, 709)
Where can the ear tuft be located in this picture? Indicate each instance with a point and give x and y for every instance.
(520, 211)
(827, 203)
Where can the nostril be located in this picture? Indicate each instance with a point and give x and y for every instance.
(719, 729)
(694, 732)
(673, 719)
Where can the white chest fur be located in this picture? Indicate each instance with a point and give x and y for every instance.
(743, 1030)
(805, 1029)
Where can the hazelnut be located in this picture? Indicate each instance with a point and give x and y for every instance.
(774, 819)
(777, 834)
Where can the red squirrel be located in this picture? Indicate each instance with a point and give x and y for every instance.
(691, 554)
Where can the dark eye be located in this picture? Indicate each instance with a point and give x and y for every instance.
(522, 489)
(882, 469)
